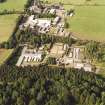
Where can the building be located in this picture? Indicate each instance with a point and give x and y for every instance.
(42, 24)
(35, 9)
(52, 11)
(88, 67)
(29, 55)
(36, 56)
(56, 20)
(75, 59)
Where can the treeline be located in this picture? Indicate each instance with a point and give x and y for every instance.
(96, 51)
(29, 3)
(8, 12)
(1, 1)
(46, 85)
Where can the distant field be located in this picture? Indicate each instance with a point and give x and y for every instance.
(4, 54)
(66, 1)
(13, 4)
(77, 1)
(89, 22)
(7, 24)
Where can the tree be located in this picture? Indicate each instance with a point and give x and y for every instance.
(66, 25)
(15, 94)
(20, 101)
(92, 49)
(1, 100)
(92, 99)
(1, 1)
(32, 102)
(103, 97)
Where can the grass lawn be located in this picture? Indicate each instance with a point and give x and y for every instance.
(88, 22)
(13, 4)
(7, 24)
(4, 54)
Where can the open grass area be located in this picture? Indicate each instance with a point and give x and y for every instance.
(4, 54)
(13, 4)
(7, 24)
(88, 22)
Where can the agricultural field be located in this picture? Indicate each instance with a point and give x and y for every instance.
(13, 4)
(4, 54)
(7, 24)
(88, 22)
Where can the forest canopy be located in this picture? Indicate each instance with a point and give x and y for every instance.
(44, 85)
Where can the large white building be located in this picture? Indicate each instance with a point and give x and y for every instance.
(43, 24)
(29, 55)
(37, 56)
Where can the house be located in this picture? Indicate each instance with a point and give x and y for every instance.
(88, 67)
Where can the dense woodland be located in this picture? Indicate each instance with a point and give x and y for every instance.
(46, 85)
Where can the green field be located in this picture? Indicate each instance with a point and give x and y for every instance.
(13, 4)
(7, 24)
(88, 22)
(4, 54)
